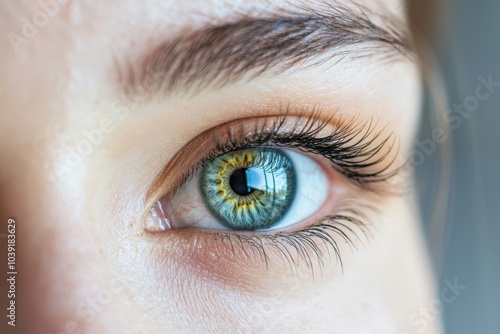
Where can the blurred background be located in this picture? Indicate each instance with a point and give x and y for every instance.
(460, 186)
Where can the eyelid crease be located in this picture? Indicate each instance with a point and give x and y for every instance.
(353, 147)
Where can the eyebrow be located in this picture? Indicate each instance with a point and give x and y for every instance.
(217, 55)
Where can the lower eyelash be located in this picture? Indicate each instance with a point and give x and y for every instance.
(350, 223)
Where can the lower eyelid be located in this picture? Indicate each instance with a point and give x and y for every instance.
(252, 263)
(215, 260)
(232, 258)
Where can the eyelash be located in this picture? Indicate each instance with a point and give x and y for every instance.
(339, 147)
(305, 243)
(351, 148)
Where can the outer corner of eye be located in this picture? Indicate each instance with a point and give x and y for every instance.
(261, 189)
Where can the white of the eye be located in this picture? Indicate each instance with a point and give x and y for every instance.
(311, 192)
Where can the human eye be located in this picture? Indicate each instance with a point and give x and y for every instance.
(251, 189)
(292, 181)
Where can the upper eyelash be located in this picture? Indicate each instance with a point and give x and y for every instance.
(349, 157)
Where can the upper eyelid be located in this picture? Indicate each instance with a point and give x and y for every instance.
(196, 145)
(220, 54)
(212, 136)
(197, 148)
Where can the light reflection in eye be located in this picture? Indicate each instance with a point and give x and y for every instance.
(254, 189)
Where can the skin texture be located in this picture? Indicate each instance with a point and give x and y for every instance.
(85, 263)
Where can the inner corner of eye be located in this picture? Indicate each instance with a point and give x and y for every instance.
(254, 189)
(157, 220)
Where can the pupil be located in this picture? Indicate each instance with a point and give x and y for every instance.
(239, 184)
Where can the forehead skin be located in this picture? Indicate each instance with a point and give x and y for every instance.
(74, 229)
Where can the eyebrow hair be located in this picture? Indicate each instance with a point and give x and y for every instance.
(217, 55)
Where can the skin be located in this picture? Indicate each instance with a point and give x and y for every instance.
(85, 263)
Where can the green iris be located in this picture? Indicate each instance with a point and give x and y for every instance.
(249, 189)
